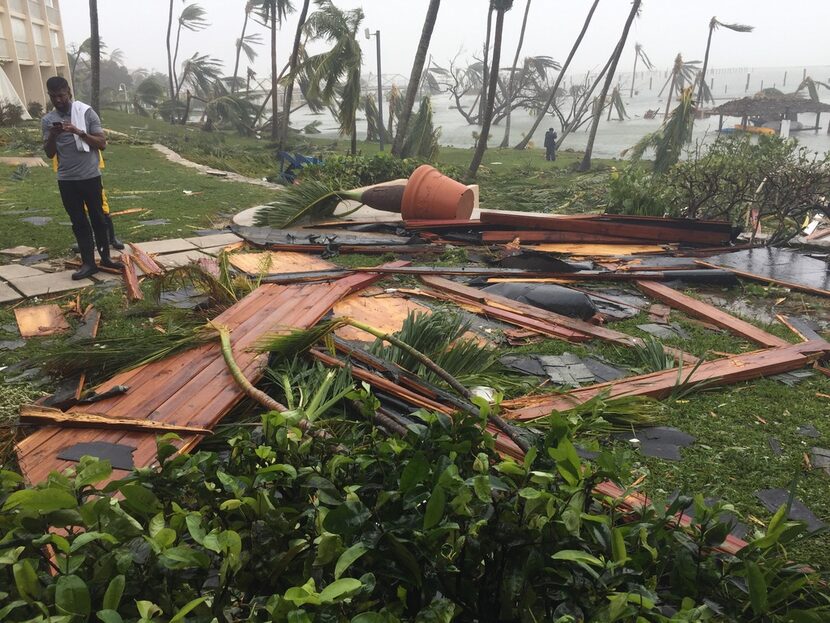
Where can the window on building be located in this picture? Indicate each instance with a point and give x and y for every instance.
(19, 30)
(38, 32)
(56, 39)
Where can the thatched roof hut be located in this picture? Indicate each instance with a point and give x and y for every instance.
(771, 107)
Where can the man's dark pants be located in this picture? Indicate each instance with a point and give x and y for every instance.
(74, 194)
(550, 153)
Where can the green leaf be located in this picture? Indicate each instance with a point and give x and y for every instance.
(8, 608)
(183, 557)
(88, 537)
(369, 617)
(481, 486)
(347, 518)
(574, 555)
(618, 551)
(435, 507)
(439, 611)
(348, 557)
(147, 609)
(302, 595)
(42, 501)
(779, 516)
(141, 499)
(109, 616)
(115, 589)
(567, 461)
(415, 472)
(230, 505)
(195, 527)
(10, 556)
(92, 473)
(757, 588)
(179, 616)
(340, 589)
(25, 579)
(328, 549)
(72, 596)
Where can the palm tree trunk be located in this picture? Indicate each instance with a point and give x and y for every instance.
(415, 77)
(634, 74)
(170, 53)
(239, 46)
(175, 60)
(671, 94)
(292, 74)
(522, 144)
(705, 65)
(575, 118)
(353, 146)
(505, 142)
(491, 97)
(94, 57)
(485, 70)
(585, 165)
(274, 78)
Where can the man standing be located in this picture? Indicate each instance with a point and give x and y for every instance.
(73, 132)
(550, 144)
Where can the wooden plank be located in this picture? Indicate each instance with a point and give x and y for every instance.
(383, 311)
(530, 311)
(526, 236)
(40, 320)
(134, 292)
(38, 414)
(642, 228)
(600, 250)
(278, 262)
(799, 327)
(734, 369)
(778, 282)
(208, 403)
(711, 314)
(144, 260)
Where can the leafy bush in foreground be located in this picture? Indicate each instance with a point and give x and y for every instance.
(347, 172)
(277, 525)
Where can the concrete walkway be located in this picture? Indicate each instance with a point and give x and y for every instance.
(19, 281)
(172, 156)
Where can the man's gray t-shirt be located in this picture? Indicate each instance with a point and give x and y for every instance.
(74, 164)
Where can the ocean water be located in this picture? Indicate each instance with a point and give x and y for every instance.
(615, 136)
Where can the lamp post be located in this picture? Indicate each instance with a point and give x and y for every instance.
(369, 35)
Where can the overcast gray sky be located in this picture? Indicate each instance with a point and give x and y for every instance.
(786, 34)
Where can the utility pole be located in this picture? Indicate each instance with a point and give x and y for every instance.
(376, 35)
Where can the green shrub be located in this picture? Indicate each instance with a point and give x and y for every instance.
(347, 172)
(35, 110)
(634, 191)
(277, 525)
(10, 114)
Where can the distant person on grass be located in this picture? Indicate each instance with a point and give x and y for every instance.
(550, 145)
(73, 133)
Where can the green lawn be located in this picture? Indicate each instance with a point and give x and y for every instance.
(136, 176)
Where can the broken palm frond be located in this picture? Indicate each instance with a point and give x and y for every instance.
(440, 336)
(223, 290)
(422, 137)
(118, 354)
(311, 388)
(668, 141)
(307, 200)
(652, 356)
(244, 384)
(602, 415)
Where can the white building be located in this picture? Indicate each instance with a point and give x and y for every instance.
(32, 49)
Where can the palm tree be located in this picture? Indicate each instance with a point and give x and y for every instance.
(812, 88)
(94, 56)
(415, 75)
(506, 140)
(682, 73)
(293, 65)
(500, 7)
(272, 13)
(669, 140)
(485, 67)
(639, 55)
(585, 165)
(192, 18)
(522, 144)
(171, 84)
(713, 25)
(334, 76)
(242, 41)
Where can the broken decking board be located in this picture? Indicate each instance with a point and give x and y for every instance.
(552, 237)
(529, 311)
(40, 320)
(205, 401)
(131, 285)
(144, 260)
(710, 313)
(728, 370)
(764, 279)
(642, 228)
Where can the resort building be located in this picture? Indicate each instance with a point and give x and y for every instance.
(32, 49)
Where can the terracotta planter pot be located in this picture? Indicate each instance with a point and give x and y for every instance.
(430, 194)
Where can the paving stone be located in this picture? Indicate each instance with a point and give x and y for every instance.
(173, 245)
(49, 283)
(38, 221)
(20, 251)
(775, 446)
(214, 240)
(808, 430)
(12, 344)
(214, 250)
(154, 222)
(16, 271)
(102, 276)
(34, 259)
(820, 458)
(8, 294)
(773, 499)
(180, 259)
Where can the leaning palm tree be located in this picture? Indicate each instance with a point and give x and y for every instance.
(415, 75)
(334, 75)
(522, 144)
(639, 55)
(812, 88)
(673, 135)
(192, 18)
(585, 165)
(271, 14)
(500, 7)
(243, 43)
(94, 57)
(683, 74)
(293, 67)
(510, 83)
(713, 25)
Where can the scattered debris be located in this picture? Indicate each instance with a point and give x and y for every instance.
(808, 430)
(40, 320)
(119, 455)
(773, 499)
(820, 458)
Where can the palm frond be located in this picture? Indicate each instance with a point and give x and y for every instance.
(287, 345)
(735, 27)
(422, 137)
(668, 141)
(192, 18)
(307, 200)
